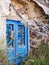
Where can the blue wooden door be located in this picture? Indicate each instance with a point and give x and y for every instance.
(17, 41)
(10, 40)
(21, 42)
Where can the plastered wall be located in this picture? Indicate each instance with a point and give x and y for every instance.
(2, 32)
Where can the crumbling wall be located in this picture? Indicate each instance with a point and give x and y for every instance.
(32, 10)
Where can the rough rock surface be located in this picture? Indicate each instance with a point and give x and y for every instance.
(31, 10)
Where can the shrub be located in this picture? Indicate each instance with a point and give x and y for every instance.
(40, 55)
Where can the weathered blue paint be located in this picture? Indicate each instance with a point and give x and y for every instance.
(17, 47)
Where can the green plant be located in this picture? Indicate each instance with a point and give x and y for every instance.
(40, 55)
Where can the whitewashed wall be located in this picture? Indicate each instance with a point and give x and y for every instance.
(4, 10)
(2, 32)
